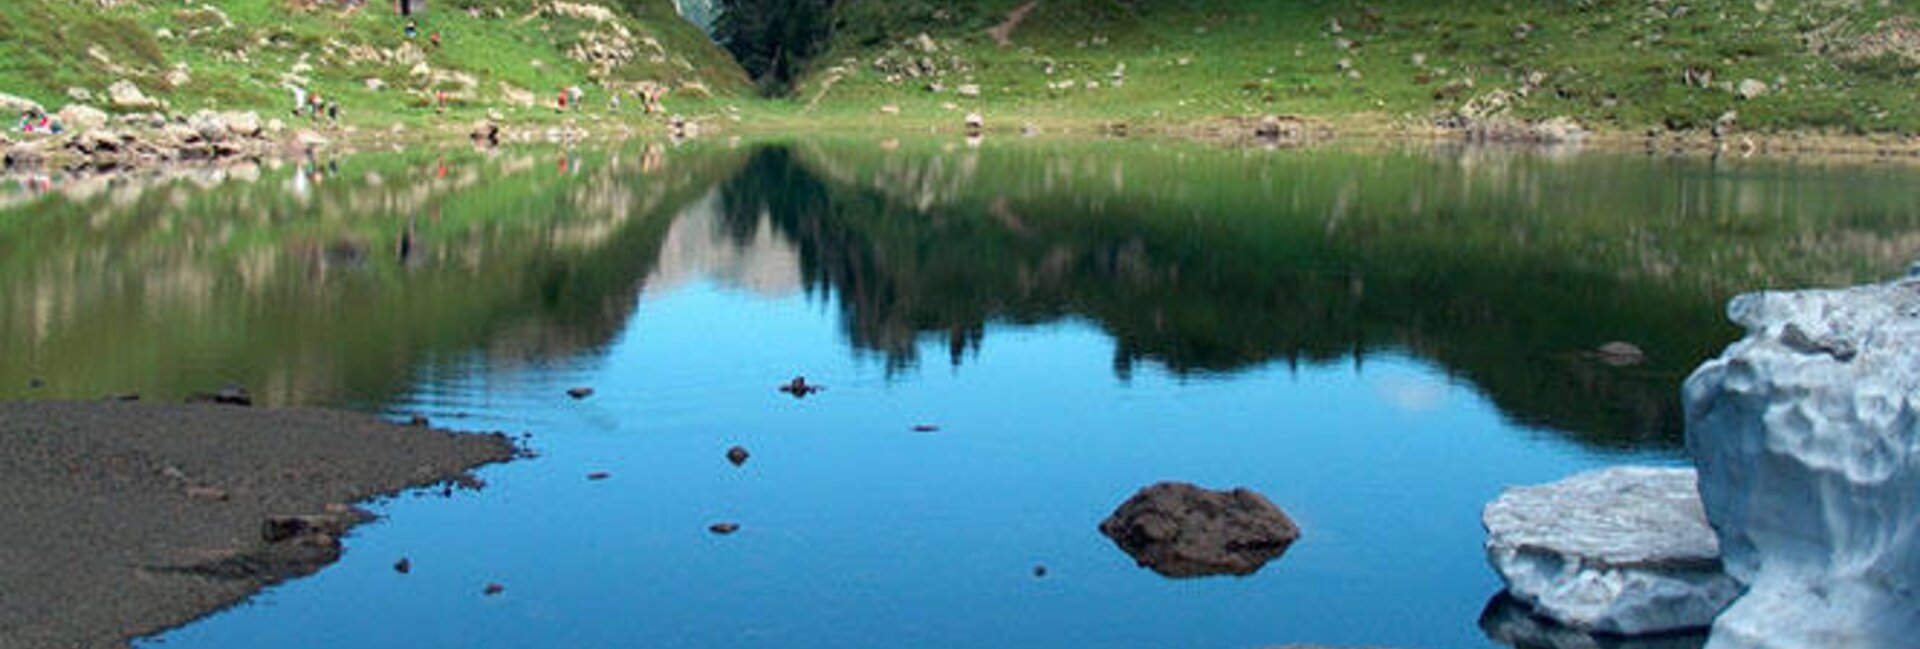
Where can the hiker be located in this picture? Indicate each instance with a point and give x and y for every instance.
(299, 99)
(333, 111)
(440, 101)
(435, 40)
(413, 29)
(574, 93)
(563, 100)
(313, 106)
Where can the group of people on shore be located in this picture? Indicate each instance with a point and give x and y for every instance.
(36, 121)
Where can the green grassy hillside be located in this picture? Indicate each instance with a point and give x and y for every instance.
(1844, 66)
(242, 54)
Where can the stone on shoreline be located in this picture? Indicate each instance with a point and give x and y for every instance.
(126, 96)
(1623, 550)
(81, 117)
(1807, 436)
(1181, 530)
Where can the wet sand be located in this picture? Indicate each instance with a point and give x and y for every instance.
(120, 520)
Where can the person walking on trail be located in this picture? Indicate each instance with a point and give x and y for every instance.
(413, 29)
(333, 111)
(299, 99)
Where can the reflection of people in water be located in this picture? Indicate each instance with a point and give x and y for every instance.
(405, 247)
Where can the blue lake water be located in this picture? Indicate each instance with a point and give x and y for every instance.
(1378, 341)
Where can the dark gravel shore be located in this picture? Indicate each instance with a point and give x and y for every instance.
(119, 520)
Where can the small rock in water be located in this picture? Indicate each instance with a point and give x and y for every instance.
(926, 428)
(403, 566)
(493, 589)
(738, 455)
(1621, 354)
(419, 421)
(723, 529)
(800, 388)
(580, 393)
(599, 475)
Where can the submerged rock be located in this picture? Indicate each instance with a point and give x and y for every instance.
(1620, 354)
(1807, 435)
(1622, 550)
(1181, 530)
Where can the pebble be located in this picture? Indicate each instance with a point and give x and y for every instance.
(737, 455)
(207, 493)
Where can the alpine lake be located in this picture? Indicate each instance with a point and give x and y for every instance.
(1013, 337)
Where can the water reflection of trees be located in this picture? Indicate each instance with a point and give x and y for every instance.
(321, 281)
(1500, 269)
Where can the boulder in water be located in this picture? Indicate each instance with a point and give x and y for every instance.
(1807, 436)
(1181, 530)
(1624, 550)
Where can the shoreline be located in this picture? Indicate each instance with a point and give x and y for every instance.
(1237, 131)
(125, 519)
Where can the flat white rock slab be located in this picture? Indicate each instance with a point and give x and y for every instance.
(1621, 550)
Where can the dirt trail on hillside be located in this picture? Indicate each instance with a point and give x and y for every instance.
(1003, 32)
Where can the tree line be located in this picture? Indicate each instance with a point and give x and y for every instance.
(774, 39)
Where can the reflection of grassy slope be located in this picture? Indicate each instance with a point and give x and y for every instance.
(1499, 268)
(312, 299)
(44, 50)
(1607, 62)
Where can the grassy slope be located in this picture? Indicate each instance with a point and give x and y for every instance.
(44, 50)
(1609, 63)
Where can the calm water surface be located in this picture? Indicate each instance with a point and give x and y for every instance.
(1377, 340)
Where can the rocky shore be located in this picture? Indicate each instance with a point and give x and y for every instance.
(120, 520)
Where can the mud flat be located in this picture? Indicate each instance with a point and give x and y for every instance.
(120, 520)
